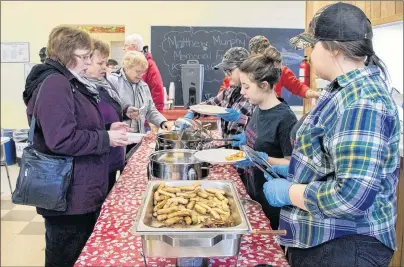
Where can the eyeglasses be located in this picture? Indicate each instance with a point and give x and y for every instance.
(112, 67)
(83, 57)
(228, 71)
(139, 72)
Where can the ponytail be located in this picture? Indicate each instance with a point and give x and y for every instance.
(264, 67)
(373, 60)
(357, 51)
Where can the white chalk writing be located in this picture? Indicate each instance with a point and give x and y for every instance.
(208, 47)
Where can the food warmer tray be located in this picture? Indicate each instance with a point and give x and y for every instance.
(186, 242)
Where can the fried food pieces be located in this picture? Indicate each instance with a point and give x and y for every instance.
(190, 206)
(237, 156)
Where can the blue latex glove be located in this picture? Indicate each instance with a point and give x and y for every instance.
(232, 115)
(190, 115)
(263, 155)
(244, 163)
(238, 140)
(248, 163)
(281, 170)
(182, 126)
(277, 192)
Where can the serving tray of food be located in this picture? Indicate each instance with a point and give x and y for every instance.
(191, 219)
(189, 206)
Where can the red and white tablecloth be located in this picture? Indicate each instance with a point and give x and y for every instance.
(113, 244)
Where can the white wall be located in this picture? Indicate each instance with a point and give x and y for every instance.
(388, 45)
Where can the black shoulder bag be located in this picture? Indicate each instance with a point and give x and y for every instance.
(44, 179)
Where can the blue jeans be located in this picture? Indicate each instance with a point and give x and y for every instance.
(346, 251)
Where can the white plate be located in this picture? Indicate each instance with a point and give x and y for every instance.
(208, 109)
(217, 156)
(135, 137)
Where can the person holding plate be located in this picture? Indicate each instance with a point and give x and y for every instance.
(109, 104)
(268, 130)
(134, 93)
(239, 110)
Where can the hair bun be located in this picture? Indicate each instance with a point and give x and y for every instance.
(272, 55)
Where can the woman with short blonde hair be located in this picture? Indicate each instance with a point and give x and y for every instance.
(152, 75)
(135, 94)
(70, 124)
(134, 58)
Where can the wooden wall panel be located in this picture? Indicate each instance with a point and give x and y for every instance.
(361, 5)
(388, 9)
(399, 7)
(375, 10)
(368, 9)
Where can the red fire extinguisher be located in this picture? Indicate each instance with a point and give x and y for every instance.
(304, 71)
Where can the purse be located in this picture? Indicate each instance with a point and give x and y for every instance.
(43, 180)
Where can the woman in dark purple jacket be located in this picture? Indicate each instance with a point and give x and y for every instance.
(69, 123)
(110, 105)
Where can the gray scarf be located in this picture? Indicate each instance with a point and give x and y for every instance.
(92, 84)
(106, 85)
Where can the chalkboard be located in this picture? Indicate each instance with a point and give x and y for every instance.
(172, 46)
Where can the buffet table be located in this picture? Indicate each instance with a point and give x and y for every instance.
(113, 244)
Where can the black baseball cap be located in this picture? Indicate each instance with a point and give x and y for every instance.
(336, 22)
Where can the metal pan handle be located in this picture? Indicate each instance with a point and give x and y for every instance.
(269, 232)
(192, 174)
(192, 241)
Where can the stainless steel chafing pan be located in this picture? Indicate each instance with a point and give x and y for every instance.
(187, 242)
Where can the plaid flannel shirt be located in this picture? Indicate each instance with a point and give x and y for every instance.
(347, 153)
(231, 98)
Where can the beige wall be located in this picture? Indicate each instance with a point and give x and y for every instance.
(109, 37)
(32, 21)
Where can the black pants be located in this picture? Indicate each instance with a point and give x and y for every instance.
(271, 212)
(129, 147)
(254, 190)
(111, 180)
(66, 236)
(347, 251)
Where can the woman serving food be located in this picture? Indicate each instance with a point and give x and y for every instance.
(339, 199)
(239, 109)
(268, 130)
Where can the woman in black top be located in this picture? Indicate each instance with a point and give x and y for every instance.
(282, 170)
(268, 130)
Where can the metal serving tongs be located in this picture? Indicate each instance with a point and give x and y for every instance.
(193, 128)
(258, 161)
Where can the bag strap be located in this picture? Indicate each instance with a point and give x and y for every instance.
(33, 119)
(31, 131)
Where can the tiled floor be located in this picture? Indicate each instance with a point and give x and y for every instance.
(22, 229)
